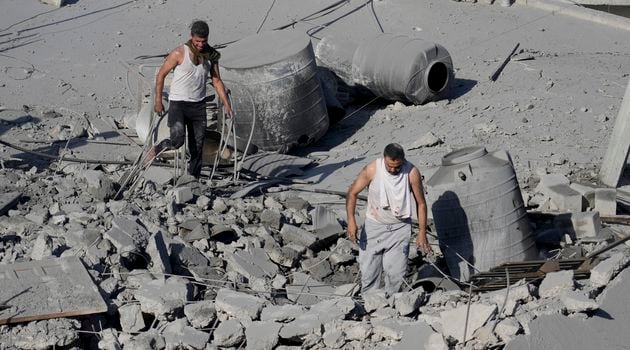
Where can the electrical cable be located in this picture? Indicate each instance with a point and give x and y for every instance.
(265, 18)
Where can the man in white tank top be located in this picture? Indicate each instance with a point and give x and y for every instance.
(384, 239)
(192, 63)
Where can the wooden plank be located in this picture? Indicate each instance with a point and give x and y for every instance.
(618, 146)
(39, 290)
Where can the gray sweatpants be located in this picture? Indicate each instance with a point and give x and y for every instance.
(383, 248)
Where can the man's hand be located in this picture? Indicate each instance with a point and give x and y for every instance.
(352, 231)
(158, 107)
(227, 110)
(423, 244)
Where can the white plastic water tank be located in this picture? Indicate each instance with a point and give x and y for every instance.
(478, 211)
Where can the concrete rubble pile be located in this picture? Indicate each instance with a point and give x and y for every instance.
(186, 266)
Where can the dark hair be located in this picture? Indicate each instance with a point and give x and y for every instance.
(200, 29)
(394, 151)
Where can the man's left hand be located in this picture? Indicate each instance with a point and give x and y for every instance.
(227, 110)
(423, 244)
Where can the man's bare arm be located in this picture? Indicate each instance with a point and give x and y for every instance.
(171, 61)
(362, 181)
(415, 180)
(220, 89)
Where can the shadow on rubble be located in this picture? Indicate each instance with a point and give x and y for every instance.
(459, 88)
(27, 160)
(338, 132)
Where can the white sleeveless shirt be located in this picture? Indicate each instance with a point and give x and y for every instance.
(189, 80)
(389, 196)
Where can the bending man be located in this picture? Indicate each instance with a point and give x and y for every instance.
(192, 63)
(384, 239)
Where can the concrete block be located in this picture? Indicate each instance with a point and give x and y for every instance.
(607, 269)
(375, 300)
(122, 241)
(333, 338)
(203, 202)
(355, 330)
(333, 309)
(262, 335)
(219, 206)
(606, 201)
(283, 256)
(201, 314)
(272, 218)
(407, 303)
(297, 235)
(182, 194)
(158, 252)
(507, 329)
(586, 224)
(99, 185)
(301, 327)
(317, 268)
(454, 321)
(388, 329)
(178, 335)
(42, 248)
(565, 198)
(131, 226)
(556, 283)
(131, 318)
(282, 313)
(575, 301)
(163, 298)
(306, 291)
(158, 175)
(239, 305)
(229, 333)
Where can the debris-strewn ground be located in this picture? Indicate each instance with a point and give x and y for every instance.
(188, 264)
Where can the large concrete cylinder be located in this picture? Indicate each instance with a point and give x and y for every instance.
(478, 211)
(273, 77)
(394, 67)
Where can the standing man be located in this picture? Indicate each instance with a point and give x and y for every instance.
(384, 239)
(192, 63)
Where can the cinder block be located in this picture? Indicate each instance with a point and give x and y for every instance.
(584, 224)
(565, 198)
(606, 201)
(182, 195)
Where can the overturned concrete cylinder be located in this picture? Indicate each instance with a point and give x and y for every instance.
(273, 78)
(394, 67)
(478, 211)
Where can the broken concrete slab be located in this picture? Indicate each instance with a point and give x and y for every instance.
(326, 226)
(158, 252)
(414, 335)
(178, 334)
(454, 321)
(131, 226)
(318, 268)
(182, 194)
(253, 264)
(606, 201)
(301, 327)
(281, 313)
(306, 291)
(201, 314)
(555, 283)
(575, 301)
(407, 303)
(99, 185)
(45, 289)
(586, 224)
(239, 305)
(229, 333)
(283, 256)
(164, 297)
(131, 318)
(262, 335)
(564, 198)
(48, 334)
(375, 300)
(607, 269)
(294, 234)
(158, 175)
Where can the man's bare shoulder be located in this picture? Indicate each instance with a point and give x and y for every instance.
(370, 169)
